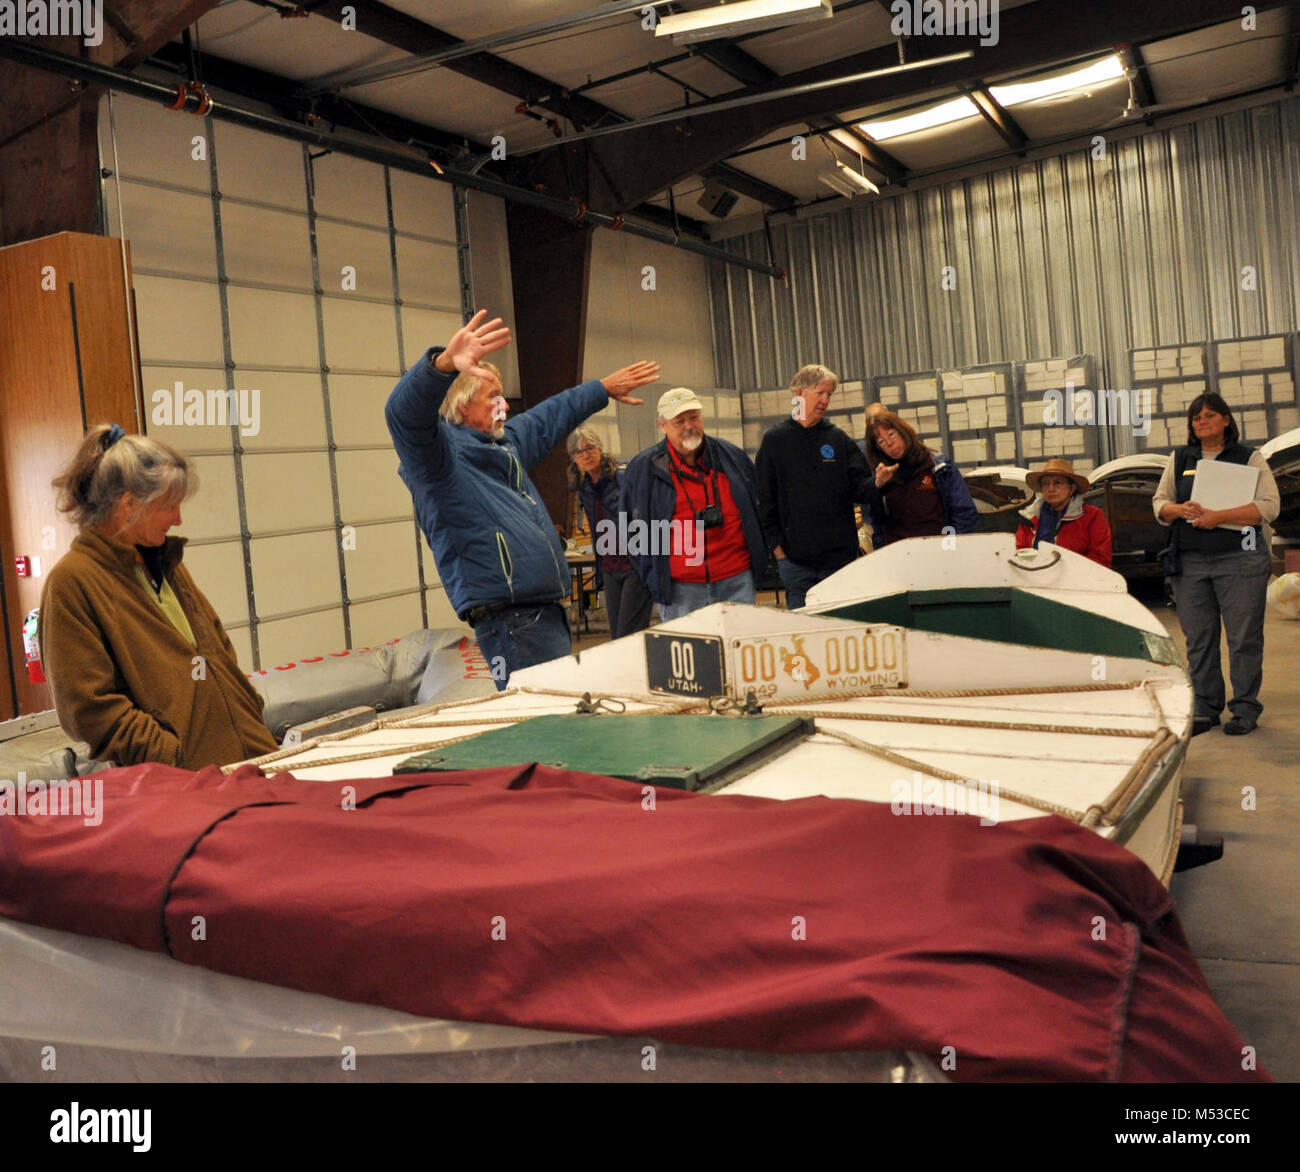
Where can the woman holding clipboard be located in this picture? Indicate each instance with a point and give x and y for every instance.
(1221, 565)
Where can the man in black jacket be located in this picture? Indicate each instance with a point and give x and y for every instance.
(810, 475)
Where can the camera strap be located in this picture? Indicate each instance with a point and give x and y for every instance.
(684, 476)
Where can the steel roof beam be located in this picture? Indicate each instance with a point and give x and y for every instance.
(1030, 36)
(282, 94)
(996, 116)
(405, 32)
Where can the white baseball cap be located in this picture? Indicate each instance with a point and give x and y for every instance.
(673, 403)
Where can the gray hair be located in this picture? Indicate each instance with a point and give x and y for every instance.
(806, 378)
(104, 470)
(578, 437)
(461, 391)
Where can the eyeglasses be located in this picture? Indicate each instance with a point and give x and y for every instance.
(588, 451)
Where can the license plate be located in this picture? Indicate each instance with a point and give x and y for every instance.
(685, 665)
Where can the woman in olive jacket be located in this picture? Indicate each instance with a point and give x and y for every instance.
(140, 666)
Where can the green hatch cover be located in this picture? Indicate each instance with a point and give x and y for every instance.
(681, 752)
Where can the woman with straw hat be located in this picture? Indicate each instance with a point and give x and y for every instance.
(1059, 516)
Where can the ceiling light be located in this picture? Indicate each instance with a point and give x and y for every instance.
(856, 178)
(1107, 69)
(745, 16)
(939, 115)
(835, 183)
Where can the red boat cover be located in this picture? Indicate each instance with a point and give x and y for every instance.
(531, 896)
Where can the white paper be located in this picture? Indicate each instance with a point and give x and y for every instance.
(1220, 485)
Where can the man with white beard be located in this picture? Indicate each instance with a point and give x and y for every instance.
(691, 479)
(466, 465)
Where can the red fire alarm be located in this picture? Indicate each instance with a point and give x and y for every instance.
(24, 566)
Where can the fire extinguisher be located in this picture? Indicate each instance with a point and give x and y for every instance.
(32, 646)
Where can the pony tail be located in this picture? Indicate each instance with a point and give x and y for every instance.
(74, 483)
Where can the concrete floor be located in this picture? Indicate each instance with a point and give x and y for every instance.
(1242, 913)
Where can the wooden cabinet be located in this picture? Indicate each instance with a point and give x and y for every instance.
(67, 361)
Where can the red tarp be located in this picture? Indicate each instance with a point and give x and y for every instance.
(740, 922)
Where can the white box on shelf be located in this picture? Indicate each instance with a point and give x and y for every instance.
(1228, 355)
(980, 383)
(891, 395)
(1288, 418)
(1272, 351)
(920, 390)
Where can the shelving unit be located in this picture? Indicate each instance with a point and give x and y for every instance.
(1076, 434)
(978, 414)
(914, 398)
(1174, 375)
(761, 410)
(1257, 378)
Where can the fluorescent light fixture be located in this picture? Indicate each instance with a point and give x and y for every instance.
(927, 119)
(856, 178)
(745, 16)
(1107, 69)
(836, 184)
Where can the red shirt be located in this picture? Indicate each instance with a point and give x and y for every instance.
(1088, 534)
(725, 551)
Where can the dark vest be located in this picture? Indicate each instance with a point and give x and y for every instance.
(1192, 540)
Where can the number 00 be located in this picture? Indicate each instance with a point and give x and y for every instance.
(682, 658)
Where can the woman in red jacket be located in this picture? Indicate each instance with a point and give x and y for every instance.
(1058, 514)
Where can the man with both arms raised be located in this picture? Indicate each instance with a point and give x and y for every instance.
(496, 548)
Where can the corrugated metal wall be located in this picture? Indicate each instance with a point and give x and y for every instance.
(1068, 255)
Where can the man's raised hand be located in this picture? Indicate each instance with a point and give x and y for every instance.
(622, 383)
(472, 343)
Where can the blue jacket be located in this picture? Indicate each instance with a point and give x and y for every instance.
(649, 494)
(610, 488)
(954, 494)
(492, 538)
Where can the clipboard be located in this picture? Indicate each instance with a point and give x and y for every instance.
(1219, 485)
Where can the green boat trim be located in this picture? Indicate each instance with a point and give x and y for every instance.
(1011, 615)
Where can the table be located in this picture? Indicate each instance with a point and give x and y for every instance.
(580, 562)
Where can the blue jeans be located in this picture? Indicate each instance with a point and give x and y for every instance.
(798, 580)
(521, 636)
(689, 596)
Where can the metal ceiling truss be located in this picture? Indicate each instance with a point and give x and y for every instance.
(996, 116)
(405, 32)
(194, 99)
(1031, 37)
(283, 94)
